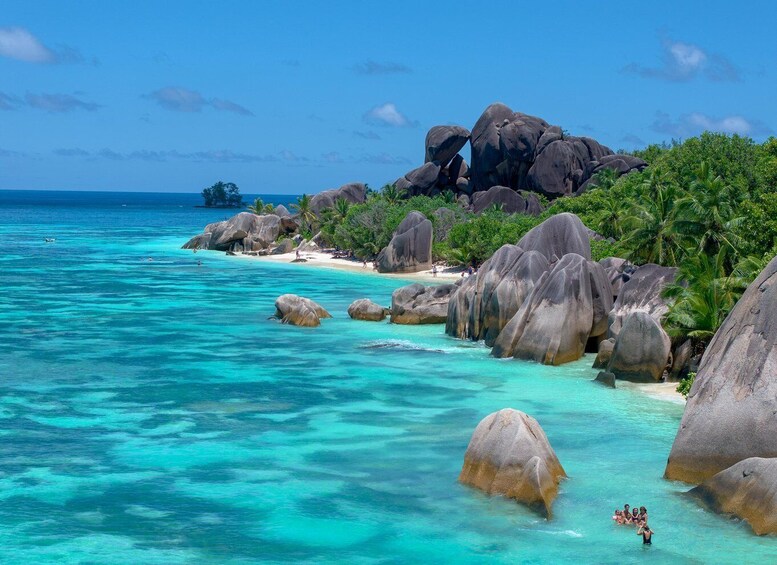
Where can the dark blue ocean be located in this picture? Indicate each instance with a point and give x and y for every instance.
(150, 412)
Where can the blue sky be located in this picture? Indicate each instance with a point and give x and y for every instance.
(291, 97)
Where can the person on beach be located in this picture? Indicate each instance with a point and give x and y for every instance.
(434, 270)
(635, 515)
(646, 533)
(297, 255)
(618, 517)
(626, 514)
(643, 513)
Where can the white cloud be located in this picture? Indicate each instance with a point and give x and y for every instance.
(18, 43)
(682, 62)
(387, 115)
(697, 122)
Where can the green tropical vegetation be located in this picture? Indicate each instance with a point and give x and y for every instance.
(222, 195)
(259, 207)
(685, 384)
(707, 205)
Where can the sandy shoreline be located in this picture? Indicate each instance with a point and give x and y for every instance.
(318, 259)
(326, 260)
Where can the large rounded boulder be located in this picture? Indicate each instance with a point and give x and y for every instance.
(420, 181)
(444, 142)
(410, 249)
(730, 414)
(554, 323)
(299, 311)
(641, 350)
(745, 490)
(242, 231)
(365, 309)
(419, 304)
(510, 455)
(558, 235)
(354, 193)
(507, 200)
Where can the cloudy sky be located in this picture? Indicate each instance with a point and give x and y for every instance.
(291, 97)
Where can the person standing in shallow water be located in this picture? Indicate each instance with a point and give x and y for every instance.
(646, 533)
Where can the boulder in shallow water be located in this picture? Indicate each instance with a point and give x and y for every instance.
(730, 414)
(604, 354)
(553, 324)
(299, 311)
(510, 455)
(748, 490)
(606, 379)
(365, 309)
(642, 349)
(410, 248)
(419, 304)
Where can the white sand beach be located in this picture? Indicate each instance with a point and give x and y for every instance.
(327, 261)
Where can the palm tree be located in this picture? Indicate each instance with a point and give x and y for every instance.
(707, 215)
(651, 233)
(306, 214)
(391, 193)
(258, 207)
(704, 293)
(340, 209)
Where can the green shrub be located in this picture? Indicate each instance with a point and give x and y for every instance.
(684, 386)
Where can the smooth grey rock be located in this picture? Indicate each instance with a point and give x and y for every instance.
(308, 246)
(225, 235)
(487, 301)
(410, 249)
(641, 349)
(506, 198)
(281, 211)
(420, 181)
(606, 379)
(642, 291)
(354, 192)
(419, 304)
(558, 235)
(365, 309)
(285, 246)
(681, 360)
(553, 324)
(730, 414)
(510, 455)
(745, 490)
(444, 142)
(299, 311)
(615, 268)
(604, 354)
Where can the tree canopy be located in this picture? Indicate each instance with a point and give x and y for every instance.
(222, 195)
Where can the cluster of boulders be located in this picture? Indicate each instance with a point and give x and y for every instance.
(299, 311)
(247, 232)
(545, 300)
(513, 150)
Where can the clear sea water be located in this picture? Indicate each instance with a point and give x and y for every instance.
(150, 412)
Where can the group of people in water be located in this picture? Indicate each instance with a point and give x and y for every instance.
(635, 517)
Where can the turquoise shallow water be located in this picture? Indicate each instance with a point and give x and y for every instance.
(150, 412)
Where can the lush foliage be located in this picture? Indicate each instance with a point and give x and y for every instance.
(685, 384)
(222, 195)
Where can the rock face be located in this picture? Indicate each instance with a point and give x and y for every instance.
(485, 303)
(642, 291)
(554, 323)
(410, 249)
(244, 231)
(730, 411)
(354, 192)
(558, 235)
(606, 379)
(615, 267)
(641, 349)
(365, 309)
(419, 304)
(285, 246)
(299, 311)
(510, 201)
(746, 490)
(444, 142)
(509, 454)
